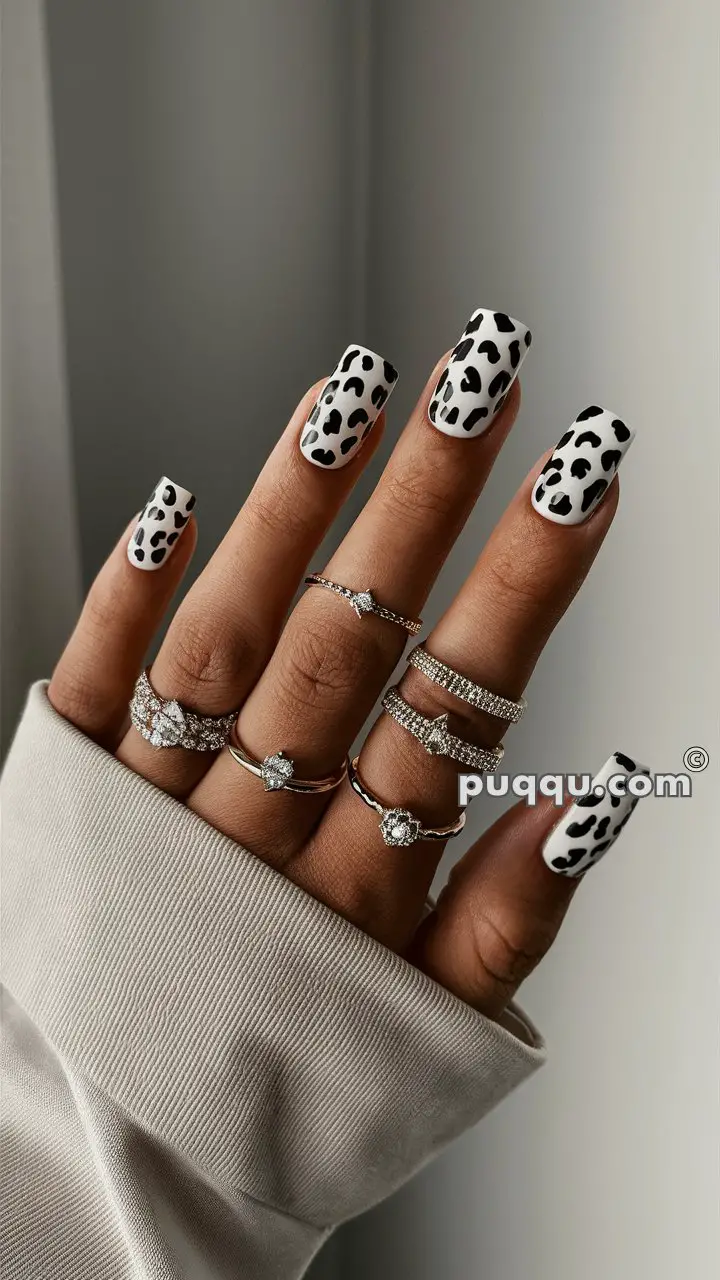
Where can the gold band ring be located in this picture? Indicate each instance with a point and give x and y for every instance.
(277, 771)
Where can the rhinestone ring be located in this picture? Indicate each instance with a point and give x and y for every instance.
(400, 828)
(277, 770)
(464, 689)
(436, 738)
(164, 723)
(363, 602)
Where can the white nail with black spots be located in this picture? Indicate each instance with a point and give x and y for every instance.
(347, 408)
(574, 480)
(473, 385)
(160, 525)
(593, 823)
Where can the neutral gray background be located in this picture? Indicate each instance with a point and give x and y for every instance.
(244, 188)
(39, 542)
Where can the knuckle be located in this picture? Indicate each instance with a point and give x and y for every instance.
(280, 515)
(104, 610)
(215, 659)
(518, 583)
(321, 662)
(413, 491)
(506, 951)
(77, 698)
(526, 566)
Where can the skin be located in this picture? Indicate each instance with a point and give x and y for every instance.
(308, 683)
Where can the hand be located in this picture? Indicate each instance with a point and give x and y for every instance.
(307, 683)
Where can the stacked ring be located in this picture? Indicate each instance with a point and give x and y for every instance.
(463, 688)
(435, 737)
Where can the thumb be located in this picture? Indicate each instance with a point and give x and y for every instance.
(506, 898)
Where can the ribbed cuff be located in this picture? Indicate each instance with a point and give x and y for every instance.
(282, 1050)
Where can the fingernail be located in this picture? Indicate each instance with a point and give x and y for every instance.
(574, 479)
(347, 408)
(473, 385)
(589, 828)
(160, 525)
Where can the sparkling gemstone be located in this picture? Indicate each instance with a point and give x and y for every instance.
(363, 603)
(167, 725)
(276, 771)
(436, 740)
(399, 827)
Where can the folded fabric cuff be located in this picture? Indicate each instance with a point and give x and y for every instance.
(280, 1049)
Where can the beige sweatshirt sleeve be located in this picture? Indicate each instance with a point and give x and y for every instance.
(205, 1070)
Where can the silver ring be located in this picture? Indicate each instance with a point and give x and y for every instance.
(277, 770)
(363, 602)
(164, 723)
(400, 828)
(464, 689)
(436, 738)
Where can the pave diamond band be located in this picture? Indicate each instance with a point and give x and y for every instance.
(436, 738)
(278, 771)
(363, 602)
(164, 723)
(464, 689)
(399, 827)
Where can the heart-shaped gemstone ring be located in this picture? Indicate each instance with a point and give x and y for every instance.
(167, 725)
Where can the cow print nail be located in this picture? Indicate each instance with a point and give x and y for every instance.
(475, 382)
(574, 480)
(165, 515)
(581, 838)
(347, 408)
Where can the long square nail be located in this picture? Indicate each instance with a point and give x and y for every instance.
(473, 385)
(160, 524)
(347, 407)
(574, 479)
(592, 825)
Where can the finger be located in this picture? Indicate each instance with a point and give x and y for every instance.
(504, 903)
(493, 633)
(226, 628)
(93, 681)
(330, 664)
